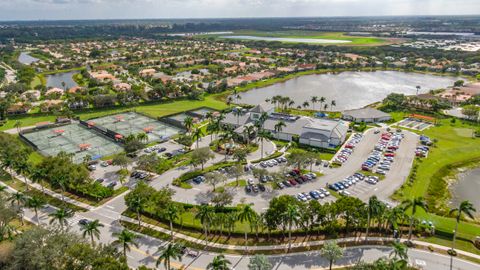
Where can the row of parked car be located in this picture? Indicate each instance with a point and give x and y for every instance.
(294, 178)
(251, 186)
(422, 151)
(316, 194)
(272, 162)
(352, 180)
(156, 148)
(345, 153)
(383, 154)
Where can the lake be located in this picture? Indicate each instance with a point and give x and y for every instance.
(467, 188)
(350, 90)
(26, 58)
(302, 40)
(55, 80)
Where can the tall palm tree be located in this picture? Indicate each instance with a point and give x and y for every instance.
(35, 202)
(333, 103)
(196, 135)
(137, 204)
(413, 204)
(125, 238)
(248, 131)
(37, 175)
(205, 215)
(172, 251)
(172, 213)
(18, 125)
(321, 100)
(61, 216)
(373, 208)
(465, 208)
(188, 123)
(314, 100)
(247, 214)
(262, 135)
(22, 167)
(219, 263)
(237, 113)
(143, 137)
(291, 216)
(279, 127)
(18, 199)
(91, 229)
(305, 104)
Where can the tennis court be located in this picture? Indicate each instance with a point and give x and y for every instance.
(72, 139)
(133, 123)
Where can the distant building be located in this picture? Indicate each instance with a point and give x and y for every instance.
(367, 115)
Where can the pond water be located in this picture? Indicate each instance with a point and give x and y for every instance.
(26, 58)
(467, 188)
(350, 90)
(55, 80)
(302, 40)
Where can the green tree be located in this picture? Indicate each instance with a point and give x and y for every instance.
(171, 251)
(35, 203)
(91, 229)
(197, 135)
(291, 216)
(259, 262)
(201, 156)
(332, 252)
(188, 123)
(214, 178)
(18, 199)
(247, 214)
(373, 210)
(61, 216)
(413, 204)
(219, 263)
(465, 208)
(171, 213)
(205, 215)
(125, 238)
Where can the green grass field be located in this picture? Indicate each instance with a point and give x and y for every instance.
(355, 40)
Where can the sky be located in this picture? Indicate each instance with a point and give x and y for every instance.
(139, 9)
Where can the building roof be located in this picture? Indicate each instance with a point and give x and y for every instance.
(365, 113)
(262, 107)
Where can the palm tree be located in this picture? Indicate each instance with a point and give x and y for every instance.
(188, 123)
(172, 251)
(332, 252)
(143, 137)
(219, 263)
(262, 135)
(196, 135)
(465, 208)
(373, 208)
(237, 113)
(22, 167)
(172, 213)
(314, 100)
(279, 127)
(321, 101)
(247, 214)
(400, 256)
(291, 216)
(19, 199)
(61, 216)
(305, 104)
(248, 131)
(333, 103)
(125, 238)
(91, 229)
(136, 204)
(18, 125)
(205, 215)
(325, 106)
(414, 204)
(37, 175)
(35, 202)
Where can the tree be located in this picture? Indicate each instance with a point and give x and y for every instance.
(7, 215)
(247, 214)
(125, 238)
(259, 262)
(373, 209)
(333, 103)
(291, 216)
(297, 157)
(61, 216)
(321, 101)
(91, 229)
(214, 178)
(314, 100)
(201, 156)
(205, 215)
(18, 199)
(413, 204)
(471, 111)
(279, 127)
(197, 135)
(332, 252)
(35, 202)
(171, 213)
(465, 208)
(143, 137)
(188, 123)
(237, 171)
(219, 263)
(400, 256)
(121, 160)
(172, 251)
(18, 125)
(262, 134)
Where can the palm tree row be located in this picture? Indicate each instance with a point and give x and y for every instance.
(284, 103)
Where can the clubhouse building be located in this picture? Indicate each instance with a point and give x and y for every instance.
(324, 133)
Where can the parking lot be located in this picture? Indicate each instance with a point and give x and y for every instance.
(416, 124)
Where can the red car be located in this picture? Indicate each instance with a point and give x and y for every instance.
(389, 154)
(293, 182)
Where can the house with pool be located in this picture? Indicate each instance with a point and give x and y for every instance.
(324, 133)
